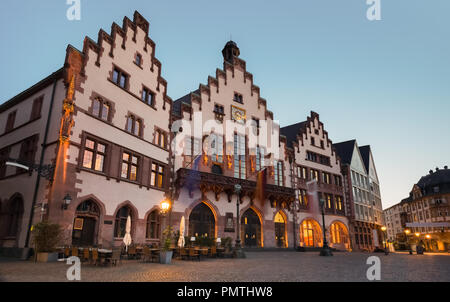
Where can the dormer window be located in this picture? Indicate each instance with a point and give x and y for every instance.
(238, 98)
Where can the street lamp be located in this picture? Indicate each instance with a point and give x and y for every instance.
(238, 252)
(165, 206)
(326, 251)
(66, 201)
(383, 228)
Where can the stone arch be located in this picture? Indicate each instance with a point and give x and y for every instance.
(13, 210)
(243, 229)
(310, 233)
(156, 208)
(210, 205)
(338, 235)
(134, 216)
(281, 231)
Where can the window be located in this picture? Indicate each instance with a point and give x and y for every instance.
(338, 203)
(120, 78)
(216, 145)
(94, 155)
(313, 142)
(192, 146)
(326, 178)
(278, 172)
(10, 121)
(36, 109)
(157, 175)
(259, 158)
(148, 97)
(238, 98)
(130, 166)
(4, 154)
(304, 197)
(311, 156)
(101, 109)
(329, 201)
(321, 144)
(121, 221)
(314, 174)
(160, 138)
(14, 218)
(239, 156)
(218, 109)
(134, 125)
(337, 180)
(324, 160)
(138, 60)
(28, 149)
(153, 225)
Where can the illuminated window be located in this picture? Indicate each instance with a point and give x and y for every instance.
(310, 233)
(157, 175)
(129, 166)
(94, 155)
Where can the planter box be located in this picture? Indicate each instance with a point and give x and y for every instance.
(47, 257)
(165, 257)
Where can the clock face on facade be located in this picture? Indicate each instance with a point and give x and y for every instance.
(238, 114)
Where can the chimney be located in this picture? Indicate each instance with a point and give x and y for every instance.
(431, 171)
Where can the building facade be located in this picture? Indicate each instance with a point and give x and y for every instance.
(423, 217)
(316, 175)
(108, 116)
(362, 194)
(114, 145)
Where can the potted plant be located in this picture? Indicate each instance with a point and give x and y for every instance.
(165, 256)
(45, 237)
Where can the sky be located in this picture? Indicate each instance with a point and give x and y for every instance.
(385, 83)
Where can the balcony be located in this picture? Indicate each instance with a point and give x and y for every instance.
(204, 181)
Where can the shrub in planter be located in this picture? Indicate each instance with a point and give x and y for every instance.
(165, 256)
(45, 238)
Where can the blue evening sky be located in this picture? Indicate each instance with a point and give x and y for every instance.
(385, 83)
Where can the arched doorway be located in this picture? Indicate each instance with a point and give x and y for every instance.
(85, 225)
(250, 229)
(280, 230)
(202, 222)
(310, 233)
(339, 237)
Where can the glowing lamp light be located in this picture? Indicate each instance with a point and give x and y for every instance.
(407, 232)
(428, 236)
(165, 206)
(417, 234)
(383, 228)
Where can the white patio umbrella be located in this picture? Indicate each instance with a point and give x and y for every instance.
(127, 237)
(182, 227)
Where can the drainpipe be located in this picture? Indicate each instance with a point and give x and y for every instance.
(41, 161)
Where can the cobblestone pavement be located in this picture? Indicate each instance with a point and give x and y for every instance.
(258, 266)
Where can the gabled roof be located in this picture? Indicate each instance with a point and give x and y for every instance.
(186, 99)
(345, 150)
(291, 131)
(365, 153)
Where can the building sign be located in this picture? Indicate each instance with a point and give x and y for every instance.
(229, 222)
(78, 224)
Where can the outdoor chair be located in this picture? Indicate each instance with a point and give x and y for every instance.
(132, 252)
(67, 252)
(146, 254)
(155, 256)
(85, 255)
(194, 254)
(213, 252)
(183, 253)
(95, 258)
(115, 258)
(74, 251)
